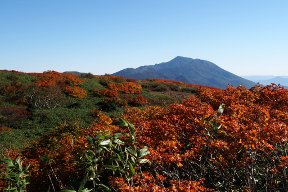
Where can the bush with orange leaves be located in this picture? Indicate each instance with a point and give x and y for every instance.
(241, 149)
(101, 117)
(138, 101)
(126, 87)
(69, 83)
(116, 85)
(53, 78)
(150, 182)
(194, 145)
(53, 159)
(75, 91)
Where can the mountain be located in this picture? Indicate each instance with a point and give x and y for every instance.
(193, 71)
(277, 80)
(266, 80)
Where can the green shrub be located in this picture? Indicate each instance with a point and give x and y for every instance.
(16, 175)
(112, 155)
(188, 90)
(161, 88)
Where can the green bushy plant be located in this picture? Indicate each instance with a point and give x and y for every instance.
(110, 154)
(16, 175)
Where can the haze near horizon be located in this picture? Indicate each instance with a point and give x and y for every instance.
(243, 37)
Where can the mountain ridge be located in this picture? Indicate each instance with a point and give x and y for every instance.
(266, 80)
(187, 70)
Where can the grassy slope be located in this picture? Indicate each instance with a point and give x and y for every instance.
(26, 129)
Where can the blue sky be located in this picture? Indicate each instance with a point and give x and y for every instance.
(246, 37)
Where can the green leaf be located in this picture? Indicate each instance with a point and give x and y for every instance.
(9, 163)
(112, 167)
(119, 142)
(100, 137)
(132, 169)
(117, 135)
(143, 152)
(131, 151)
(27, 167)
(119, 156)
(133, 159)
(103, 147)
(85, 190)
(105, 142)
(142, 161)
(131, 129)
(90, 140)
(18, 161)
(123, 123)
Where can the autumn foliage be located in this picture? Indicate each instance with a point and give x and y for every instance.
(214, 140)
(67, 82)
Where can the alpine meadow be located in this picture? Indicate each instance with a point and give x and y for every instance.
(63, 131)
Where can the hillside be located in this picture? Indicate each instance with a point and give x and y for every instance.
(108, 133)
(187, 70)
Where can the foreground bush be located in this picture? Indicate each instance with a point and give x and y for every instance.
(216, 140)
(243, 149)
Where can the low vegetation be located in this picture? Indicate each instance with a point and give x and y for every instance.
(81, 133)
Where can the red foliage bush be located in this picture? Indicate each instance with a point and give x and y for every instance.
(149, 182)
(183, 137)
(101, 117)
(75, 91)
(67, 82)
(193, 147)
(138, 101)
(53, 78)
(126, 87)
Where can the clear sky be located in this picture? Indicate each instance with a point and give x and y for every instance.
(246, 37)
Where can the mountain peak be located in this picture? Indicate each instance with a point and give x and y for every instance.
(181, 59)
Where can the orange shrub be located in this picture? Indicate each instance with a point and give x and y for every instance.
(107, 93)
(76, 92)
(187, 137)
(67, 82)
(101, 117)
(126, 87)
(138, 101)
(193, 147)
(148, 182)
(131, 88)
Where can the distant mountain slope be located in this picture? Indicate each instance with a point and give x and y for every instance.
(194, 71)
(266, 80)
(278, 80)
